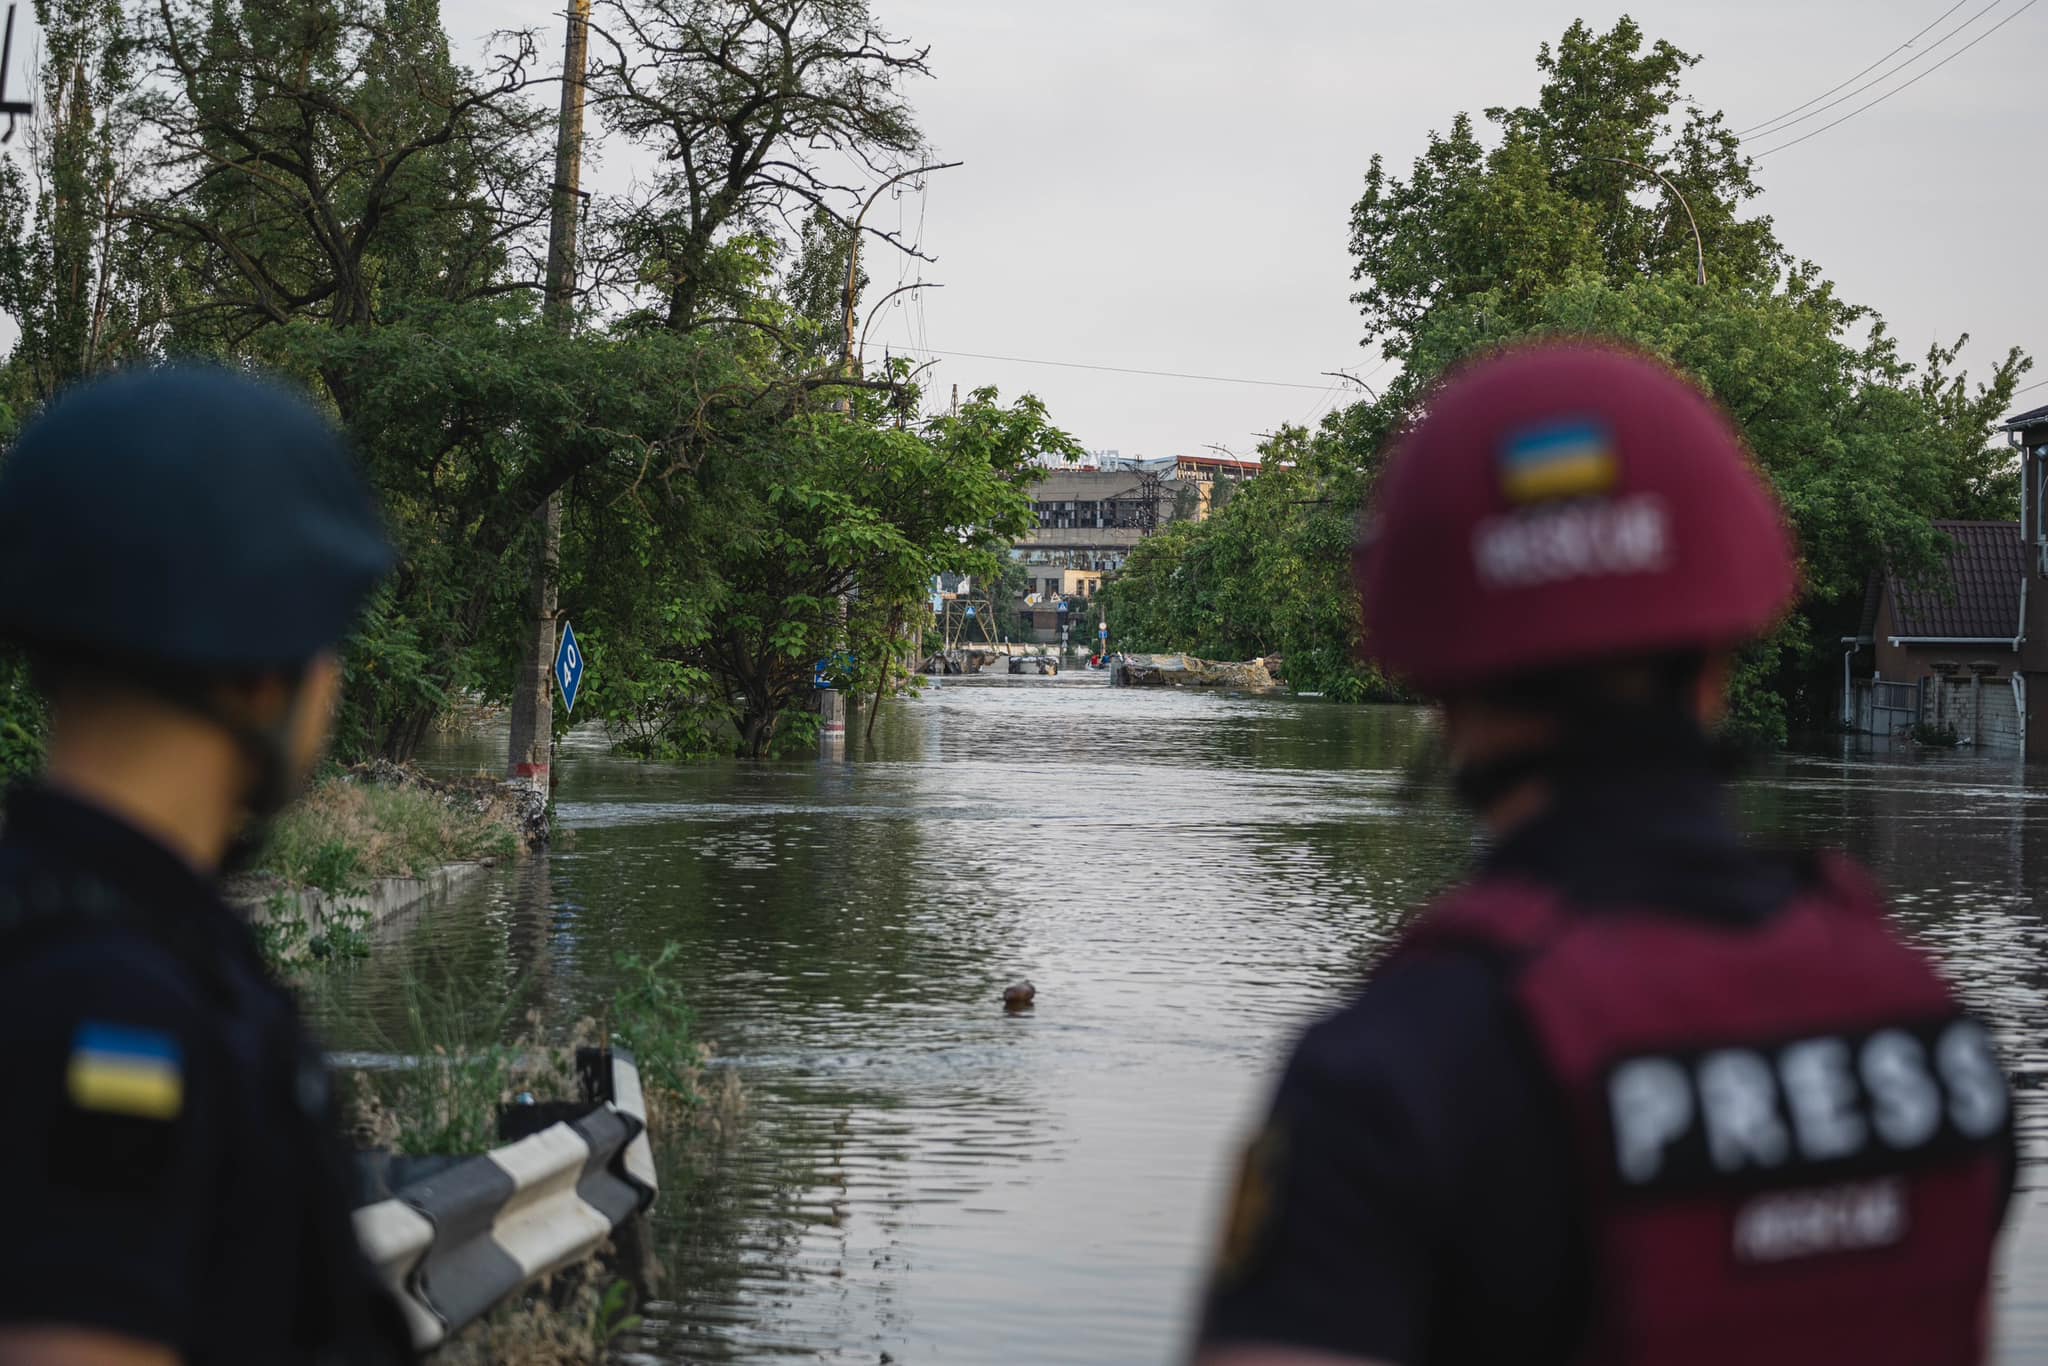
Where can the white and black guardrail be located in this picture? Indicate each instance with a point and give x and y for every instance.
(453, 1243)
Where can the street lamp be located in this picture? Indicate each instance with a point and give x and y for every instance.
(1699, 246)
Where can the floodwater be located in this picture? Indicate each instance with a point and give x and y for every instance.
(1186, 879)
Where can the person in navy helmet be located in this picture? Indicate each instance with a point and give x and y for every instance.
(1637, 1091)
(180, 550)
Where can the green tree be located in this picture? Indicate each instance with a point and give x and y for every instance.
(328, 162)
(1558, 225)
(1554, 198)
(1540, 237)
(815, 285)
(1268, 573)
(317, 187)
(64, 271)
(823, 509)
(753, 108)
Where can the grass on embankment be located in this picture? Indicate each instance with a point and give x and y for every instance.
(347, 831)
(351, 828)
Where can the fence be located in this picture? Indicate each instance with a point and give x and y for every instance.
(1894, 707)
(1985, 712)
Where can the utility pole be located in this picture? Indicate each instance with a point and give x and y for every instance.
(846, 348)
(533, 710)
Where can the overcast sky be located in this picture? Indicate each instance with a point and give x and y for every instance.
(1165, 186)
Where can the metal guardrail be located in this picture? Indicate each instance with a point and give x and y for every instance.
(452, 1244)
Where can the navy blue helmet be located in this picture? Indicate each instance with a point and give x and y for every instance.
(185, 516)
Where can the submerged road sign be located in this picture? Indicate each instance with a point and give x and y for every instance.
(569, 666)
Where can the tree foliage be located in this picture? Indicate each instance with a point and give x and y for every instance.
(1556, 223)
(319, 187)
(756, 111)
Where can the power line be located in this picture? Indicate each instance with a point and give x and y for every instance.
(1907, 86)
(2026, 387)
(1886, 75)
(1758, 127)
(1127, 370)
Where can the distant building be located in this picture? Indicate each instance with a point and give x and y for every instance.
(1969, 655)
(1089, 519)
(1945, 655)
(1090, 516)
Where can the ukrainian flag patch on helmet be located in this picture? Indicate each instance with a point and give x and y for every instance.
(123, 1070)
(1573, 458)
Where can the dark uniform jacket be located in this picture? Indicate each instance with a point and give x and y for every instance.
(1411, 1199)
(168, 1142)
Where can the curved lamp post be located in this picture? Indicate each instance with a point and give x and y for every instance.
(1699, 246)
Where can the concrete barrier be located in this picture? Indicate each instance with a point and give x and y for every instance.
(452, 1244)
(383, 898)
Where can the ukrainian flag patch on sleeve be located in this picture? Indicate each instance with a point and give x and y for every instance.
(1572, 458)
(125, 1070)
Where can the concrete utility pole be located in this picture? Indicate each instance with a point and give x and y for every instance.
(533, 709)
(853, 253)
(13, 109)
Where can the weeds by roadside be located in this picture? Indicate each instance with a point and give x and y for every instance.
(650, 1018)
(356, 826)
(457, 1071)
(563, 1320)
(288, 943)
(348, 830)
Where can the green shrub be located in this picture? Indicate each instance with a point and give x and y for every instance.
(344, 833)
(651, 1020)
(1942, 736)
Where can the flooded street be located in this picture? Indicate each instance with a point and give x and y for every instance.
(1185, 878)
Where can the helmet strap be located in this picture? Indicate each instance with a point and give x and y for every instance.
(268, 749)
(1594, 746)
(1480, 785)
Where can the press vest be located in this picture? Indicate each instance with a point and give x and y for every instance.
(1791, 1139)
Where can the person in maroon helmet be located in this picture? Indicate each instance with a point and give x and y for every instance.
(1637, 1091)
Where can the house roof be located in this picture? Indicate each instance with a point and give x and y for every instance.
(2031, 417)
(1982, 599)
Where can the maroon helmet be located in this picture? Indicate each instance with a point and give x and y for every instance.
(1560, 504)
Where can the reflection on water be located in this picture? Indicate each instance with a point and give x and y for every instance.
(1185, 878)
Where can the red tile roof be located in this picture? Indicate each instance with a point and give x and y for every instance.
(1982, 599)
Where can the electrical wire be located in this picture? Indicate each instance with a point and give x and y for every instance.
(1127, 370)
(2024, 388)
(917, 296)
(1773, 130)
(1759, 127)
(1323, 405)
(1907, 86)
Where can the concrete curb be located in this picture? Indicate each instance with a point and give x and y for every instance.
(384, 898)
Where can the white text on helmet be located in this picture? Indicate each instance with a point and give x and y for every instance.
(1551, 543)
